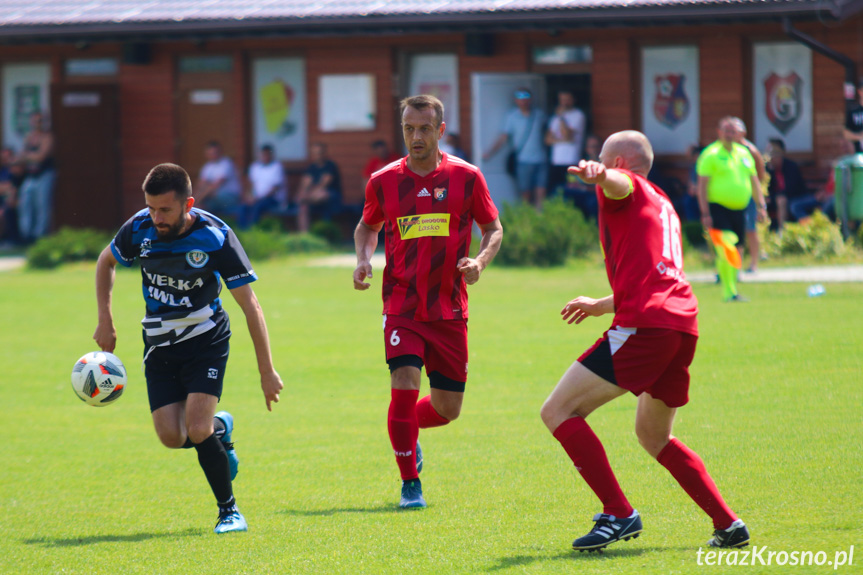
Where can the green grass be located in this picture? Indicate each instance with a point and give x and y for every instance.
(775, 413)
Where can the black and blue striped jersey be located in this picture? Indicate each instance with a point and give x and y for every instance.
(182, 278)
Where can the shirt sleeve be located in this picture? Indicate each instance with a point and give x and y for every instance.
(123, 247)
(233, 263)
(482, 209)
(610, 204)
(373, 213)
(703, 165)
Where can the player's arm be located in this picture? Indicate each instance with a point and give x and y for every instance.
(703, 205)
(614, 183)
(758, 196)
(365, 242)
(471, 268)
(271, 383)
(852, 136)
(496, 146)
(105, 335)
(581, 307)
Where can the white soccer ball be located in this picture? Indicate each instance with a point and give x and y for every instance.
(99, 378)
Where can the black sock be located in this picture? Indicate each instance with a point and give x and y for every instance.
(188, 444)
(214, 461)
(219, 427)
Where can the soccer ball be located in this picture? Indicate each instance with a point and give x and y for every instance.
(99, 378)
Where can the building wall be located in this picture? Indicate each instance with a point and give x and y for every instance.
(148, 92)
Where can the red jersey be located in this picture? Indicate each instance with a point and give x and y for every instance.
(640, 237)
(427, 229)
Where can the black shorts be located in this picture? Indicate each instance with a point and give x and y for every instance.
(731, 220)
(196, 365)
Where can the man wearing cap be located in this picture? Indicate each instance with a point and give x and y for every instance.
(524, 130)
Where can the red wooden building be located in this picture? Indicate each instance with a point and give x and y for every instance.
(131, 84)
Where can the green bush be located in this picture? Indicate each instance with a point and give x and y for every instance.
(693, 234)
(262, 244)
(818, 237)
(67, 245)
(327, 230)
(546, 238)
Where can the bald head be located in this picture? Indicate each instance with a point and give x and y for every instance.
(629, 150)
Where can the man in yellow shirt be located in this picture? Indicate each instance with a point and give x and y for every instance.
(727, 181)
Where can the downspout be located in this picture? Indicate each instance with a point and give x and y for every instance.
(850, 66)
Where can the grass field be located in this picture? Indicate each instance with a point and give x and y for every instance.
(775, 413)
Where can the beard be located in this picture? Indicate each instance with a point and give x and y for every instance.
(170, 233)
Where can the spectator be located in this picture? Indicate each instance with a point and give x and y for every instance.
(523, 130)
(691, 213)
(853, 131)
(381, 157)
(727, 180)
(581, 194)
(11, 177)
(825, 198)
(786, 181)
(36, 195)
(452, 145)
(753, 242)
(219, 189)
(564, 135)
(320, 187)
(268, 188)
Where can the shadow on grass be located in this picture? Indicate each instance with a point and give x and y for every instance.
(338, 510)
(95, 539)
(574, 556)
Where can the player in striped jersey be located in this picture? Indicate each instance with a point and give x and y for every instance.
(647, 351)
(426, 203)
(185, 254)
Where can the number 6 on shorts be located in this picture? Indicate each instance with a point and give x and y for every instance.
(394, 338)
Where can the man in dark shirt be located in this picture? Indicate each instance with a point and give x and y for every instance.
(786, 181)
(853, 131)
(320, 186)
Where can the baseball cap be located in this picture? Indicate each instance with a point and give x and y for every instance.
(522, 95)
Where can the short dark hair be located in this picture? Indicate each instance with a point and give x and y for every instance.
(422, 102)
(267, 148)
(777, 142)
(166, 178)
(214, 144)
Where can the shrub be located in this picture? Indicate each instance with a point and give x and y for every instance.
(545, 238)
(327, 230)
(262, 244)
(818, 237)
(693, 234)
(67, 245)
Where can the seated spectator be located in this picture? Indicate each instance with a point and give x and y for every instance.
(451, 145)
(268, 188)
(825, 198)
(12, 175)
(320, 187)
(218, 189)
(786, 181)
(381, 157)
(581, 194)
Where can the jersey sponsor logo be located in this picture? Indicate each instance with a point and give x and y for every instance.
(440, 194)
(424, 225)
(177, 284)
(423, 193)
(213, 373)
(197, 258)
(168, 298)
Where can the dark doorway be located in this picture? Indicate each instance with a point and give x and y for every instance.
(86, 148)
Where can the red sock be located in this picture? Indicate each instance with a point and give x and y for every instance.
(402, 425)
(588, 455)
(689, 471)
(427, 416)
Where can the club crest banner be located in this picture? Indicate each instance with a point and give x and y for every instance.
(670, 97)
(783, 95)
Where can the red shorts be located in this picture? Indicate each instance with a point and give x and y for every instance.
(645, 359)
(440, 345)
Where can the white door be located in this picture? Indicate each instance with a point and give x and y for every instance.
(492, 96)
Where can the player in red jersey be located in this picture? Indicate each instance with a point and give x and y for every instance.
(427, 204)
(647, 350)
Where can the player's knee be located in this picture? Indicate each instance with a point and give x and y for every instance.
(550, 414)
(171, 438)
(201, 431)
(448, 411)
(652, 442)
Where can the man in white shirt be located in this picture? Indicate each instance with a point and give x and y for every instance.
(269, 189)
(564, 135)
(218, 190)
